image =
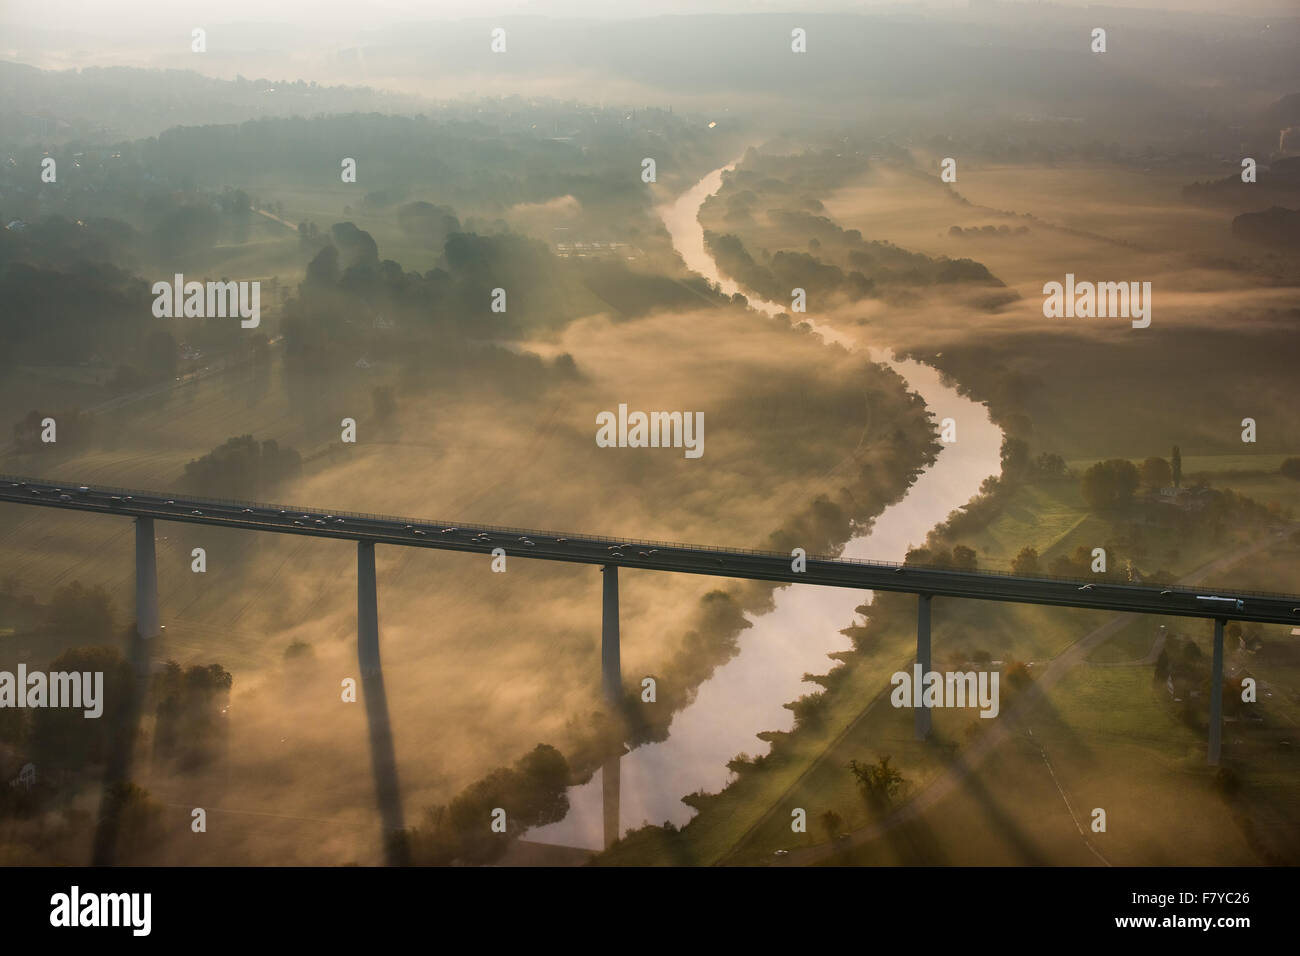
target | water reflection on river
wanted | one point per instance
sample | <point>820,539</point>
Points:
<point>746,694</point>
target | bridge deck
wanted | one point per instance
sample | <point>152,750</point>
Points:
<point>656,555</point>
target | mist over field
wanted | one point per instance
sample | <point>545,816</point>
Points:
<point>829,233</point>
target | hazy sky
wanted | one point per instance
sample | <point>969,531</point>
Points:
<point>126,15</point>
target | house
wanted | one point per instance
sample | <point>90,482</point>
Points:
<point>1185,500</point>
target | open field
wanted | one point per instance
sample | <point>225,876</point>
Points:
<point>1106,736</point>
<point>652,210</point>
<point>1220,343</point>
<point>453,634</point>
<point>1110,735</point>
<point>810,769</point>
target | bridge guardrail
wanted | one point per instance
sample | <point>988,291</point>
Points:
<point>70,487</point>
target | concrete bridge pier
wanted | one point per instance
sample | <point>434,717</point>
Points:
<point>920,711</point>
<point>383,761</point>
<point>1216,694</point>
<point>117,765</point>
<point>611,673</point>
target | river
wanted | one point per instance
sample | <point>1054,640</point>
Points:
<point>746,695</point>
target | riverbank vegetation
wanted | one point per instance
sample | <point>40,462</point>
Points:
<point>1082,470</point>
<point>382,313</point>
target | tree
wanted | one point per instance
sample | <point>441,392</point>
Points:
<point>808,710</point>
<point>1026,562</point>
<point>1015,457</point>
<point>191,703</point>
<point>131,813</point>
<point>1291,468</point>
<point>831,823</point>
<point>74,428</point>
<point>878,782</point>
<point>1109,485</point>
<point>356,246</point>
<point>63,737</point>
<point>1156,473</point>
<point>324,268</point>
<point>918,556</point>
<point>964,558</point>
<point>242,468</point>
<point>535,790</point>
<point>433,224</point>
<point>1050,466</point>
<point>1176,463</point>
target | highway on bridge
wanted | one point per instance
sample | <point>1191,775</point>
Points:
<point>654,555</point>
